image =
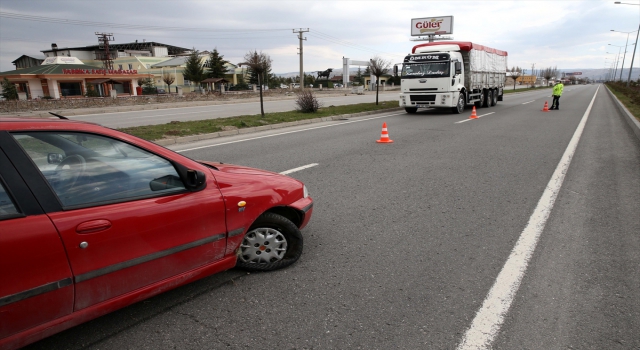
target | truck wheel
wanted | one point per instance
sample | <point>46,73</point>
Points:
<point>273,242</point>
<point>494,100</point>
<point>488,95</point>
<point>411,110</point>
<point>481,103</point>
<point>459,108</point>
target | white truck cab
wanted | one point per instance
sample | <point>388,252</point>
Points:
<point>452,75</point>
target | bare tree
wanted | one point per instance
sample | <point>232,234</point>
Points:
<point>378,67</point>
<point>516,73</point>
<point>549,73</point>
<point>258,63</point>
<point>168,79</point>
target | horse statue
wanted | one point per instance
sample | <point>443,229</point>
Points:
<point>326,73</point>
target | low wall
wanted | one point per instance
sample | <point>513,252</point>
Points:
<point>101,102</point>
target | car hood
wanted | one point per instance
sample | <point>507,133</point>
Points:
<point>239,169</point>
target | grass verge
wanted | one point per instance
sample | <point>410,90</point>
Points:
<point>629,96</point>
<point>195,127</point>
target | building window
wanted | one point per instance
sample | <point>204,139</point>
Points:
<point>120,66</point>
<point>187,82</point>
<point>71,89</point>
<point>130,66</point>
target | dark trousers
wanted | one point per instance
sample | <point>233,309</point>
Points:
<point>556,102</point>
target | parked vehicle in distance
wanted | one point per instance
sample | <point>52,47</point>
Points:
<point>93,219</point>
<point>284,86</point>
<point>452,75</point>
<point>295,85</point>
<point>338,85</point>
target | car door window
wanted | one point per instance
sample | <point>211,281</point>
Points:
<point>85,169</point>
<point>7,207</point>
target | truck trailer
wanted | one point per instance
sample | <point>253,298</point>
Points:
<point>452,75</point>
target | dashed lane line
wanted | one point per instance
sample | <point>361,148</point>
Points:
<point>287,172</point>
<point>480,116</point>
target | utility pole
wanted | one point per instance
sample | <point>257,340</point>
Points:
<point>533,75</point>
<point>103,40</point>
<point>300,31</point>
<point>634,56</point>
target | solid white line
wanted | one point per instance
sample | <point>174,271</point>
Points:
<point>288,132</point>
<point>479,116</point>
<point>286,172</point>
<point>528,102</point>
<point>488,321</point>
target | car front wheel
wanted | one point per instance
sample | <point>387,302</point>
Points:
<point>273,242</point>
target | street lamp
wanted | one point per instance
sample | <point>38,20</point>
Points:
<point>615,66</point>
<point>625,49</point>
<point>636,45</point>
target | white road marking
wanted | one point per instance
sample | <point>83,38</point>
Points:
<point>288,132</point>
<point>488,320</point>
<point>528,102</point>
<point>286,172</point>
<point>480,116</point>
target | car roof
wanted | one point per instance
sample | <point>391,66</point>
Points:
<point>18,122</point>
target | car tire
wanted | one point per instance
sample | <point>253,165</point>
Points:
<point>459,108</point>
<point>411,110</point>
<point>272,242</point>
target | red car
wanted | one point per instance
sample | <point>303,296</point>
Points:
<point>92,220</point>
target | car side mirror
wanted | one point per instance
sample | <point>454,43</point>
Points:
<point>458,67</point>
<point>194,180</point>
<point>54,158</point>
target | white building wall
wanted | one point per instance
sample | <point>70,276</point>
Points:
<point>159,51</point>
<point>35,87</point>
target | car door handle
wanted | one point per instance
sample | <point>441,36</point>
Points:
<point>93,226</point>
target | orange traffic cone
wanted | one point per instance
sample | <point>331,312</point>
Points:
<point>546,107</point>
<point>384,137</point>
<point>473,113</point>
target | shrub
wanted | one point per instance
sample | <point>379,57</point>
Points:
<point>91,91</point>
<point>306,101</point>
<point>9,91</point>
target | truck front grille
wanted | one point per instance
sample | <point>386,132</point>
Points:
<point>423,98</point>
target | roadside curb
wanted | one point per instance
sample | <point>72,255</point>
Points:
<point>200,137</point>
<point>631,120</point>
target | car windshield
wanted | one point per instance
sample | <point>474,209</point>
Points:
<point>425,70</point>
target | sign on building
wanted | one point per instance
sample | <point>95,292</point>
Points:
<point>432,26</point>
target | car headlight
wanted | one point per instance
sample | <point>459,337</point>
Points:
<point>305,192</point>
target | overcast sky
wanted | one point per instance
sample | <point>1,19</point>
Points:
<point>564,33</point>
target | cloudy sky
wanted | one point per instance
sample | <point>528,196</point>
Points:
<point>569,34</point>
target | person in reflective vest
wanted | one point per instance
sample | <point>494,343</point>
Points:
<point>557,92</point>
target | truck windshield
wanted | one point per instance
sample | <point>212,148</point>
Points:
<point>423,70</point>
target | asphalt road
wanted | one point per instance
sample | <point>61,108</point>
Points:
<point>408,239</point>
<point>231,109</point>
